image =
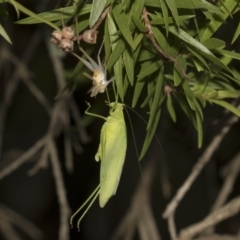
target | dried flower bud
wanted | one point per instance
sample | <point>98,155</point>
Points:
<point>66,45</point>
<point>90,36</point>
<point>67,33</point>
<point>56,36</point>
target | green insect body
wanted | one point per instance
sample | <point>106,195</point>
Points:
<point>111,152</point>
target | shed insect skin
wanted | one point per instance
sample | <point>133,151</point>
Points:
<point>99,78</point>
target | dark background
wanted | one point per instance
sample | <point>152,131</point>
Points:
<point>34,197</point>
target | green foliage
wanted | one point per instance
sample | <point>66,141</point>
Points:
<point>167,57</point>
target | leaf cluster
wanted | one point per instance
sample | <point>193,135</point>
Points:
<point>168,55</point>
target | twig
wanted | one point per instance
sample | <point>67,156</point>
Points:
<point>135,215</point>
<point>10,216</point>
<point>150,35</point>
<point>227,211</point>
<point>172,227</point>
<point>23,158</point>
<point>94,28</point>
<point>8,230</point>
<point>218,237</point>
<point>203,160</point>
<point>230,173</point>
<point>61,192</point>
<point>13,83</point>
<point>41,163</point>
<point>77,118</point>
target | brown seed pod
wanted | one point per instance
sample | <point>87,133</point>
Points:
<point>56,36</point>
<point>65,45</point>
<point>67,33</point>
<point>90,36</point>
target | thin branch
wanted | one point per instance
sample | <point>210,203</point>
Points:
<point>77,118</point>
<point>135,215</point>
<point>13,81</point>
<point>94,28</point>
<point>61,192</point>
<point>227,211</point>
<point>8,215</point>
<point>217,237</point>
<point>23,158</point>
<point>230,173</point>
<point>8,230</point>
<point>150,35</point>
<point>202,161</point>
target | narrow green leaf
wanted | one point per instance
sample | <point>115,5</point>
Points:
<point>157,20</point>
<point>186,109</point>
<point>138,41</point>
<point>226,105</point>
<point>198,108</point>
<point>4,34</point>
<point>97,9</point>
<point>198,65</point>
<point>221,94</point>
<point>232,55</point>
<point>118,78</point>
<point>138,48</point>
<point>116,53</point>
<point>126,4</point>
<point>213,43</point>
<point>149,97</point>
<point>129,64</point>
<point>199,129</point>
<point>150,134</point>
<point>125,85</point>
<point>156,99</point>
<point>165,15</point>
<point>123,24</point>
<point>170,108</point>
<point>163,43</point>
<point>187,4</point>
<point>137,92</point>
<point>151,88</point>
<point>236,34</point>
<point>139,84</point>
<point>139,25</point>
<point>118,44</point>
<point>15,7</point>
<point>173,8</point>
<point>34,15</point>
<point>199,57</point>
<point>189,94</point>
<point>145,55</point>
<point>212,27</point>
<point>57,14</point>
<point>189,40</point>
<point>177,76</point>
<point>137,7</point>
<point>148,70</point>
<point>107,41</point>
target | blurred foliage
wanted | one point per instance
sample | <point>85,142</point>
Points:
<point>193,65</point>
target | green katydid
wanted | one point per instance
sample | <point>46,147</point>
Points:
<point>113,136</point>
